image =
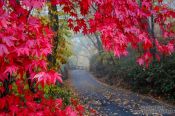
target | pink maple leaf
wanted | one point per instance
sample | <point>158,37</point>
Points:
<point>22,51</point>
<point>33,3</point>
<point>140,61</point>
<point>11,69</point>
<point>3,50</point>
<point>48,77</point>
<point>9,40</point>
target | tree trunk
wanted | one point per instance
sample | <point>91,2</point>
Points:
<point>99,44</point>
<point>152,33</point>
<point>55,27</point>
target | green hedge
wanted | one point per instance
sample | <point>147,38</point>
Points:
<point>158,80</point>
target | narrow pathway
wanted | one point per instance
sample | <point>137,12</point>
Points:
<point>118,102</point>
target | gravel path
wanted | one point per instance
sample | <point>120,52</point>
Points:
<point>115,102</point>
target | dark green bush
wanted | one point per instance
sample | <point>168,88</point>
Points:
<point>157,79</point>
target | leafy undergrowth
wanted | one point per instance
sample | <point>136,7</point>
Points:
<point>157,81</point>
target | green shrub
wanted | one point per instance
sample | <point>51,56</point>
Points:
<point>158,79</point>
<point>56,91</point>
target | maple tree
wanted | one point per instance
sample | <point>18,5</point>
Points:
<point>24,46</point>
<point>126,23</point>
<point>26,42</point>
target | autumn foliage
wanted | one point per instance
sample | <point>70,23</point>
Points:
<point>25,43</point>
<point>24,46</point>
<point>129,23</point>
